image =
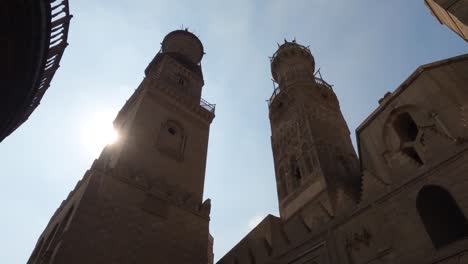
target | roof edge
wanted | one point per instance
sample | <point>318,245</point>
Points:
<point>407,83</point>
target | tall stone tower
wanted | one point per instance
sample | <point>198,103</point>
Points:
<point>317,170</point>
<point>141,201</point>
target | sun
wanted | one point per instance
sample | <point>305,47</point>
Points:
<point>98,131</point>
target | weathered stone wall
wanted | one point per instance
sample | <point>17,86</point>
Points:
<point>387,226</point>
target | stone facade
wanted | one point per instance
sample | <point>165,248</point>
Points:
<point>141,201</point>
<point>452,13</point>
<point>403,201</point>
<point>315,162</point>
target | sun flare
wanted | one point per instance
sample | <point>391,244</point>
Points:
<point>98,131</point>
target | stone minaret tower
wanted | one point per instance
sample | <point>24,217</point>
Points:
<point>317,170</point>
<point>141,201</point>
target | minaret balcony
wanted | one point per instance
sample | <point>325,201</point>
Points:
<point>208,106</point>
<point>278,89</point>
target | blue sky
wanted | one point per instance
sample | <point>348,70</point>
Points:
<point>364,48</point>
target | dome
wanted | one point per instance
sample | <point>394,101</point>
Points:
<point>184,43</point>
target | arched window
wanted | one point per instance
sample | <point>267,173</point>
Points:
<point>442,218</point>
<point>405,127</point>
<point>407,130</point>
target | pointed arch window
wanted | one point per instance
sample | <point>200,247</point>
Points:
<point>405,127</point>
<point>441,216</point>
<point>407,131</point>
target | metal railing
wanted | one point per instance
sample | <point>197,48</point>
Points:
<point>59,24</point>
<point>323,82</point>
<point>286,44</point>
<point>278,89</point>
<point>207,106</point>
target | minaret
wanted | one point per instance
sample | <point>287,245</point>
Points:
<point>141,201</point>
<point>315,162</point>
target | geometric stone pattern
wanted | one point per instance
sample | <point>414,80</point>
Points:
<point>313,154</point>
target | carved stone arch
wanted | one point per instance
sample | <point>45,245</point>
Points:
<point>171,139</point>
<point>389,135</point>
<point>402,134</point>
<point>441,215</point>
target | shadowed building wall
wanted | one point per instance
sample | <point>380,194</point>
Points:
<point>141,201</point>
<point>403,201</point>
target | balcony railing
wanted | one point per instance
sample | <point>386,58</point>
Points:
<point>277,89</point>
<point>323,82</point>
<point>289,44</point>
<point>207,106</point>
<point>59,24</point>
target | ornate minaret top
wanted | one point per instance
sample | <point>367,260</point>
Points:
<point>178,64</point>
<point>315,162</point>
<point>291,57</point>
